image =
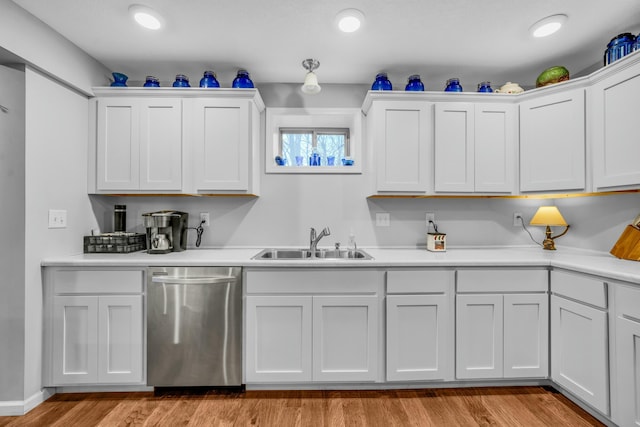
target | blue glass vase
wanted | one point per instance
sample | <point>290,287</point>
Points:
<point>414,84</point>
<point>453,85</point>
<point>181,81</point>
<point>209,80</point>
<point>242,80</point>
<point>151,82</point>
<point>119,80</point>
<point>381,82</point>
<point>618,47</point>
<point>485,87</point>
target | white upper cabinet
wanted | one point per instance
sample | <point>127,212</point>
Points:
<point>475,146</point>
<point>552,142</point>
<point>613,102</point>
<point>139,144</point>
<point>400,132</point>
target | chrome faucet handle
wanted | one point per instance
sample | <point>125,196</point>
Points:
<point>326,231</point>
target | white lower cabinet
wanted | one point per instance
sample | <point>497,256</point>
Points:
<point>312,325</point>
<point>419,323</point>
<point>579,338</point>
<point>502,324</point>
<point>627,356</point>
<point>93,327</point>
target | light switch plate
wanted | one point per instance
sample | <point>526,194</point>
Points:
<point>57,218</point>
<point>383,219</point>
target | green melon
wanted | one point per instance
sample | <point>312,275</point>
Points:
<point>552,75</point>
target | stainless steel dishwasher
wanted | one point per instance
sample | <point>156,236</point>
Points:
<point>194,326</point>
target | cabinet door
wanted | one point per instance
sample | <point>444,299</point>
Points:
<point>526,335</point>
<point>278,339</point>
<point>454,147</point>
<point>75,332</point>
<point>552,142</point>
<point>161,144</point>
<point>628,371</point>
<point>579,351</point>
<point>400,131</point>
<point>417,331</point>
<point>496,140</point>
<point>221,132</point>
<point>479,336</point>
<point>118,148</point>
<point>345,338</point>
<point>614,103</point>
<point>120,339</point>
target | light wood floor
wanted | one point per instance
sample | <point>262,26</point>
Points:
<point>508,406</point>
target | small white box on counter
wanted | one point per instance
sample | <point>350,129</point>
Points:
<point>436,242</point>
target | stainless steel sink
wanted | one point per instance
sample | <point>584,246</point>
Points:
<point>291,254</point>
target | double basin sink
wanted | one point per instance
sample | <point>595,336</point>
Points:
<point>306,254</point>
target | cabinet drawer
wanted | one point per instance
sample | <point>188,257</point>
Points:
<point>514,280</point>
<point>579,287</point>
<point>419,281</point>
<point>304,281</point>
<point>97,282</point>
<point>627,301</point>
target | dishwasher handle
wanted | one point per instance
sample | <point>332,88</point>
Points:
<point>193,280</point>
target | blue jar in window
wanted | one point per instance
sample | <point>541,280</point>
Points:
<point>242,80</point>
<point>453,85</point>
<point>209,80</point>
<point>485,87</point>
<point>414,84</point>
<point>181,81</point>
<point>314,159</point>
<point>381,82</point>
<point>151,82</point>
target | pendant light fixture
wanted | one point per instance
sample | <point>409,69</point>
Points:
<point>310,85</point>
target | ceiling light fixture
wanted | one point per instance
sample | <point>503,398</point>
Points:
<point>349,20</point>
<point>547,26</point>
<point>146,17</point>
<point>310,85</point>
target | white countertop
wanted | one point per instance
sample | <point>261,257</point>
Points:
<point>591,262</point>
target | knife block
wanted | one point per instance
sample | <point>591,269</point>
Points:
<point>628,244</point>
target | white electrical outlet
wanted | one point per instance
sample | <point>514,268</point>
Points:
<point>517,219</point>
<point>204,216</point>
<point>430,217</point>
<point>383,219</point>
<point>57,218</point>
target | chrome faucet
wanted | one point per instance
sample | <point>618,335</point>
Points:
<point>313,239</point>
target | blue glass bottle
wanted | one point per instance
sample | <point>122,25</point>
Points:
<point>414,84</point>
<point>485,87</point>
<point>381,82</point>
<point>453,85</point>
<point>119,80</point>
<point>151,82</point>
<point>181,81</point>
<point>209,80</point>
<point>242,80</point>
<point>618,47</point>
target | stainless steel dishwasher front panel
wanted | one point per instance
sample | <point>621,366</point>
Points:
<point>194,326</point>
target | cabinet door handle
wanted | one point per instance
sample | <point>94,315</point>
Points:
<point>193,280</point>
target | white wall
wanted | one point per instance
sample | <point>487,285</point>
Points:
<point>12,219</point>
<point>56,169</point>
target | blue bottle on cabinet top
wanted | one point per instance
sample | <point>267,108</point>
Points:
<point>485,87</point>
<point>151,82</point>
<point>453,85</point>
<point>181,81</point>
<point>242,80</point>
<point>619,46</point>
<point>209,80</point>
<point>119,80</point>
<point>414,83</point>
<point>381,82</point>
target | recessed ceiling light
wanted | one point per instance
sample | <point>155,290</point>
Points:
<point>146,17</point>
<point>547,26</point>
<point>349,20</point>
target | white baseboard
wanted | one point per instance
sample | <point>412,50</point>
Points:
<point>10,408</point>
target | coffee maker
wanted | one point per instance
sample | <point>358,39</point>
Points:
<point>166,231</point>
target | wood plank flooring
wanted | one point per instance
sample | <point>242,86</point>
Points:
<point>504,406</point>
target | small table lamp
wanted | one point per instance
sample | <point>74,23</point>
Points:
<point>548,216</point>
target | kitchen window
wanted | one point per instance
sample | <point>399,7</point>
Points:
<point>313,140</point>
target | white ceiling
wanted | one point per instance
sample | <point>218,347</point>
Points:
<point>470,39</point>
